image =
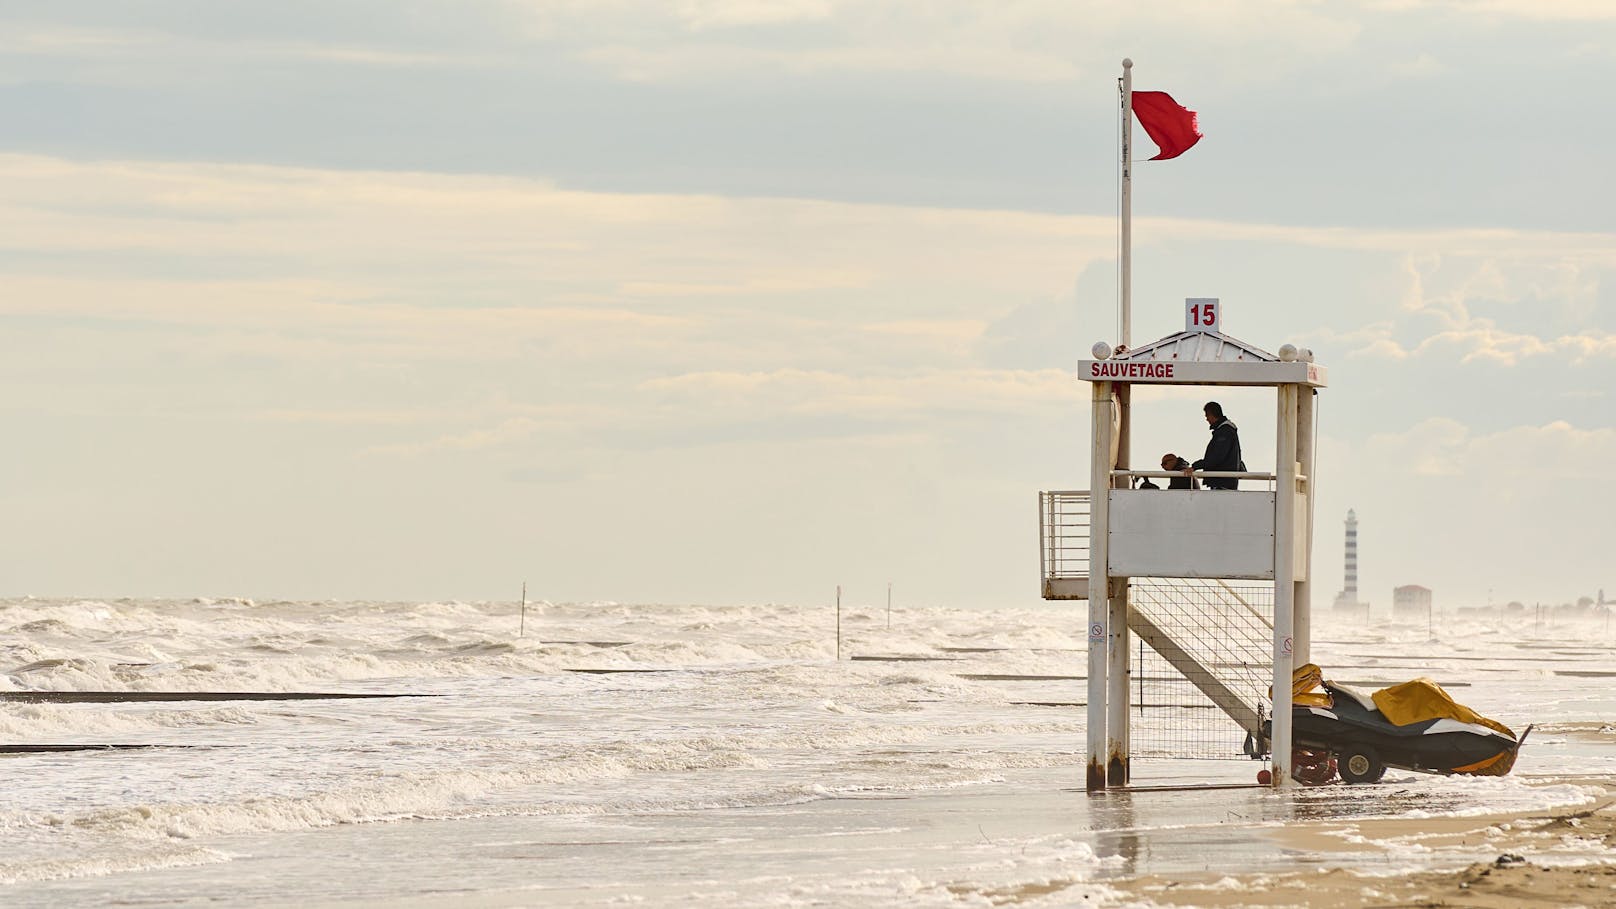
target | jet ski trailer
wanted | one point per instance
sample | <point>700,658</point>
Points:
<point>1412,726</point>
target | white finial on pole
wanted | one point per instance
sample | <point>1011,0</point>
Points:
<point>1125,280</point>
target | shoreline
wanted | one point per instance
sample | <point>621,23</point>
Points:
<point>1523,869</point>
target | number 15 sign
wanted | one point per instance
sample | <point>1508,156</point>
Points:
<point>1203,314</point>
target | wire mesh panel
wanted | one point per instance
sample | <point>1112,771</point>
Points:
<point>1202,666</point>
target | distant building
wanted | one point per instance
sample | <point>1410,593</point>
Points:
<point>1347,599</point>
<point>1411,602</point>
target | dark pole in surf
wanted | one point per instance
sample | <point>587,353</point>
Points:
<point>838,623</point>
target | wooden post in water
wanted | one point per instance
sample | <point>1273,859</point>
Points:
<point>889,605</point>
<point>838,623</point>
<point>522,628</point>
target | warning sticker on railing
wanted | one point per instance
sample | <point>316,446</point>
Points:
<point>1096,632</point>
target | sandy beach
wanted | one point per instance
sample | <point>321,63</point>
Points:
<point>1508,880</point>
<point>1366,864</point>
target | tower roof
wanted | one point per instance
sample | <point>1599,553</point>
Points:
<point>1200,347</point>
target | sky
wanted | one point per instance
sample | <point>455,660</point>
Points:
<point>735,301</point>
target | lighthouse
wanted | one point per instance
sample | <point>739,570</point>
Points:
<point>1347,599</point>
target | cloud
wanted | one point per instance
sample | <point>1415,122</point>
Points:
<point>1036,42</point>
<point>1485,342</point>
<point>1547,10</point>
<point>452,263</point>
<point>1033,41</point>
<point>716,409</point>
<point>1384,348</point>
<point>709,61</point>
<point>1446,291</point>
<point>111,56</point>
<point>349,417</point>
<point>643,310</point>
<point>662,316</point>
<point>517,319</point>
<point>1513,469</point>
<point>1421,66</point>
<point>900,397</point>
<point>1433,448</point>
<point>701,15</point>
<point>954,335</point>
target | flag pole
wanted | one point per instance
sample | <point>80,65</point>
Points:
<point>1125,280</point>
<point>1116,656</point>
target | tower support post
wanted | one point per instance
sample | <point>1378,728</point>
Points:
<point>1285,557</point>
<point>1117,661</point>
<point>1100,461</point>
<point>1305,398</point>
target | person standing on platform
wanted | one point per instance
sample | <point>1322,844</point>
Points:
<point>1223,451</point>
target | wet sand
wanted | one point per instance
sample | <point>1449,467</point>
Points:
<point>1380,857</point>
<point>1480,886</point>
<point>1510,879</point>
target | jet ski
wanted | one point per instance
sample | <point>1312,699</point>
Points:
<point>1412,726</point>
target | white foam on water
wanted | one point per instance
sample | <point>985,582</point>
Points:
<point>743,709</point>
<point>107,863</point>
<point>74,722</point>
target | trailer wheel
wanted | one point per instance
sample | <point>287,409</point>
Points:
<point>1312,766</point>
<point>1360,764</point>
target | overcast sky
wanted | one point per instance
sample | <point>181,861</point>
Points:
<point>736,300</point>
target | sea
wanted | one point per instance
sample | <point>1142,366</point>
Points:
<point>172,753</point>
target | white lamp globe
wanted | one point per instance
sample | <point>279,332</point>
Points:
<point>1287,352</point>
<point>1101,350</point>
<point>1307,355</point>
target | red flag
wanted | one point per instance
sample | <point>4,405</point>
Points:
<point>1173,128</point>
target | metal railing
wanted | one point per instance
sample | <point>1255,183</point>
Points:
<point>1261,482</point>
<point>1063,530</point>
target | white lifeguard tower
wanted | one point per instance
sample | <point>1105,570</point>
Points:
<point>1262,531</point>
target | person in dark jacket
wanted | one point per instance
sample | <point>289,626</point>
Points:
<point>1223,451</point>
<point>1177,464</point>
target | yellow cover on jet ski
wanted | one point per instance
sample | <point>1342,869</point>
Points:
<point>1305,684</point>
<point>1423,699</point>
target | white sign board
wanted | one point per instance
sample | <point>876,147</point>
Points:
<point>1192,533</point>
<point>1189,372</point>
<point>1203,314</point>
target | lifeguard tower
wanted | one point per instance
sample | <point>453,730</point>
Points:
<point>1097,542</point>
